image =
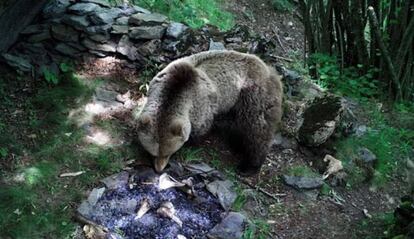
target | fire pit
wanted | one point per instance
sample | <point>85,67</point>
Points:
<point>184,202</point>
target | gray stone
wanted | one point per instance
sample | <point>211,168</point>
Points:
<point>231,227</point>
<point>223,190</point>
<point>64,33</point>
<point>299,182</point>
<point>66,49</point>
<point>98,54</point>
<point>154,32</point>
<point>216,46</point>
<point>103,3</point>
<point>91,45</point>
<point>98,29</point>
<point>175,30</point>
<point>141,10</point>
<point>101,38</point>
<point>366,156</point>
<point>127,48</point>
<point>199,168</point>
<point>41,36</point>
<point>37,28</point>
<point>105,95</point>
<point>18,62</point>
<point>106,16</point>
<point>147,19</point>
<point>119,29</point>
<point>55,9</point>
<point>95,195</point>
<point>77,46</point>
<point>320,119</point>
<point>361,130</point>
<point>85,209</point>
<point>78,22</point>
<point>122,21</point>
<point>117,180</point>
<point>83,8</point>
<point>150,48</point>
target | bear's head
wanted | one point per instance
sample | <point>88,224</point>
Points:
<point>163,139</point>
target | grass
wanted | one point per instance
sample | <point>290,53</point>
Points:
<point>194,13</point>
<point>302,171</point>
<point>257,229</point>
<point>34,201</point>
<point>388,141</point>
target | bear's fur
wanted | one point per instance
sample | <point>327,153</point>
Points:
<point>193,92</point>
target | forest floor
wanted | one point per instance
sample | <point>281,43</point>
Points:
<point>80,126</point>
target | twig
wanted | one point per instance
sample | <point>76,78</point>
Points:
<point>274,196</point>
<point>84,220</point>
<point>74,174</point>
<point>281,58</point>
<point>278,40</point>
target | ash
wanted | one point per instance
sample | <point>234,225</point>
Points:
<point>116,210</point>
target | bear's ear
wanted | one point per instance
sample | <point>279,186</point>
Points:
<point>145,120</point>
<point>177,128</point>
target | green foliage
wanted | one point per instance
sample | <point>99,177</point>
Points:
<point>282,5</point>
<point>49,75</point>
<point>389,143</point>
<point>195,13</point>
<point>257,229</point>
<point>303,171</point>
<point>383,221</point>
<point>350,82</point>
<point>240,200</point>
<point>190,154</point>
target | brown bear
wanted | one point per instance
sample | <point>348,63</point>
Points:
<point>192,93</point>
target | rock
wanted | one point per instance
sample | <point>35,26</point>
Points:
<point>122,21</point>
<point>223,191</point>
<point>106,95</point>
<point>34,29</point>
<point>150,48</point>
<point>103,3</point>
<point>299,182</point>
<point>117,180</point>
<point>142,19</point>
<point>175,30</point>
<point>78,22</point>
<point>85,209</point>
<point>65,33</point>
<point>101,38</point>
<point>98,53</point>
<point>231,227</point>
<point>66,49</point>
<point>127,48</point>
<point>366,156</point>
<point>119,29</point>
<point>104,29</point>
<point>106,16</point>
<point>361,130</point>
<point>95,195</point>
<point>18,62</point>
<point>83,8</point>
<point>55,8</point>
<point>320,119</point>
<point>284,142</point>
<point>216,46</point>
<point>41,36</point>
<point>141,10</point>
<point>154,32</point>
<point>107,47</point>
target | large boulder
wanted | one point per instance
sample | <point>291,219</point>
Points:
<point>147,33</point>
<point>320,119</point>
<point>83,8</point>
<point>64,33</point>
<point>147,19</point>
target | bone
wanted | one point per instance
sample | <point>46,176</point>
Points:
<point>145,207</point>
<point>334,166</point>
<point>167,210</point>
<point>166,181</point>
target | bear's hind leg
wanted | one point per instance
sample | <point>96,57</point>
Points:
<point>255,130</point>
